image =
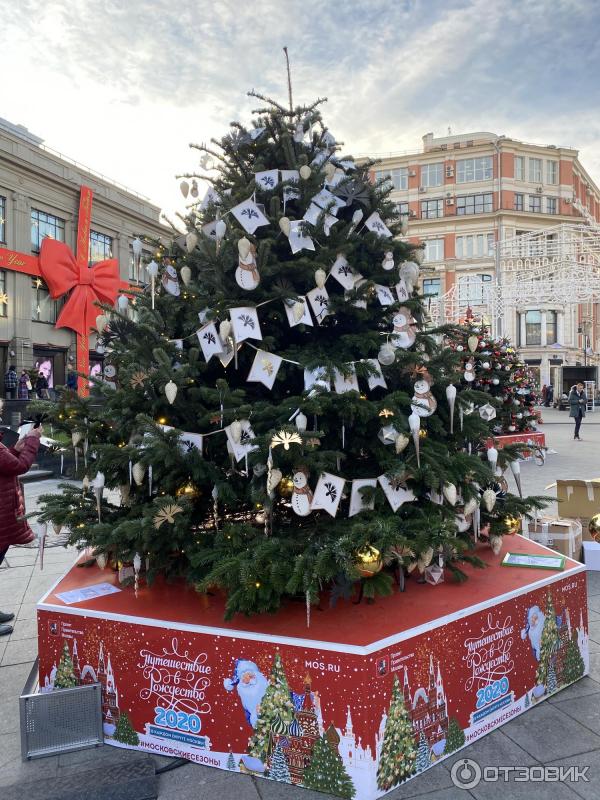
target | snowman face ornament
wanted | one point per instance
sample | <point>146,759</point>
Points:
<point>302,495</point>
<point>423,402</point>
<point>388,261</point>
<point>170,281</point>
<point>246,274</point>
<point>470,370</point>
<point>404,333</point>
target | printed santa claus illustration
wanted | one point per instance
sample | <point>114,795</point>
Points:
<point>534,626</point>
<point>251,685</point>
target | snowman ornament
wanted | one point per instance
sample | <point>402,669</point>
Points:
<point>170,280</point>
<point>302,495</point>
<point>404,334</point>
<point>246,274</point>
<point>423,402</point>
<point>388,261</point>
<point>470,370</point>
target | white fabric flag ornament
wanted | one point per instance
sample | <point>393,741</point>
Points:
<point>187,441</point>
<point>244,321</point>
<point>226,357</point>
<point>211,196</point>
<point>328,493</point>
<point>361,302</point>
<point>298,239</point>
<point>319,301</point>
<point>376,225</point>
<point>265,368</point>
<point>267,179</point>
<point>376,379</point>
<point>348,383</point>
<point>241,449</point>
<point>210,229</point>
<point>357,502</point>
<point>312,216</point>
<point>384,295</point>
<point>305,319</point>
<point>395,492</point>
<point>290,192</point>
<point>342,272</point>
<point>316,378</point>
<point>325,199</point>
<point>249,215</point>
<point>401,290</point>
<point>210,341</point>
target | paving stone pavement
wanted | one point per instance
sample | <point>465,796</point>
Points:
<point>563,731</point>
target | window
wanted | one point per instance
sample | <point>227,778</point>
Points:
<point>473,289</point>
<point>43,307</point>
<point>3,297</point>
<point>474,169</point>
<point>398,178</point>
<point>519,202</point>
<point>100,247</point>
<point>519,168</point>
<point>478,245</point>
<point>551,205</point>
<point>431,209</point>
<point>533,328</point>
<point>434,250</point>
<point>551,327</point>
<point>432,286</point>
<point>3,219</point>
<point>535,203</point>
<point>42,225</point>
<point>535,170</point>
<point>401,209</point>
<point>474,204</point>
<point>432,174</point>
<point>552,172</point>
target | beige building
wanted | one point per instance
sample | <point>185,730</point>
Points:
<point>463,193</point>
<point>39,196</point>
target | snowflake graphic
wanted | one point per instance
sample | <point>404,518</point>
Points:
<point>250,213</point>
<point>331,492</point>
<point>210,337</point>
<point>267,180</point>
<point>378,226</point>
<point>247,320</point>
<point>344,269</point>
<point>246,437</point>
<point>321,299</point>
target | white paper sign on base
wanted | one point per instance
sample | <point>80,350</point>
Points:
<point>328,493</point>
<point>357,502</point>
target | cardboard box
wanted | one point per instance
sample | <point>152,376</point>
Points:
<point>579,500</point>
<point>562,535</point>
<point>591,555</point>
<point>365,698</point>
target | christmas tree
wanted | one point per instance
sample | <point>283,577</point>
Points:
<point>423,755</point>
<point>527,702</point>
<point>279,770</point>
<point>125,731</point>
<point>276,702</point>
<point>398,753</point>
<point>551,678</point>
<point>455,737</point>
<point>326,772</point>
<point>231,762</point>
<point>548,645</point>
<point>573,666</point>
<point>287,384</point>
<point>65,673</point>
<point>495,367</point>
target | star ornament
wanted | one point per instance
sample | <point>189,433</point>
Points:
<point>166,514</point>
<point>138,378</point>
<point>286,438</point>
<point>3,299</point>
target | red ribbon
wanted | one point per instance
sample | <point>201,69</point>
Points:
<point>61,272</point>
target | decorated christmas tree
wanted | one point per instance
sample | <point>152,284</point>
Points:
<point>495,367</point>
<point>573,666</point>
<point>398,753</point>
<point>552,686</point>
<point>455,737</point>
<point>423,755</point>
<point>527,702</point>
<point>279,770</point>
<point>326,772</point>
<point>275,704</point>
<point>548,645</point>
<point>125,731</point>
<point>274,378</point>
<point>231,762</point>
<point>65,673</point>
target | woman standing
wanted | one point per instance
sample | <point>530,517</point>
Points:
<point>24,385</point>
<point>577,402</point>
<point>14,461</point>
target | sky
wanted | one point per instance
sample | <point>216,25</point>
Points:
<point>124,86</point>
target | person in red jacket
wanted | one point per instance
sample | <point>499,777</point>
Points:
<point>14,461</point>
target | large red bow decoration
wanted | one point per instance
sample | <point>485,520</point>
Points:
<point>62,272</point>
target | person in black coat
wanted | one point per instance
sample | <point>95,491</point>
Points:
<point>577,403</point>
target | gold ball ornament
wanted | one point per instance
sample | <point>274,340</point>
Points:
<point>285,487</point>
<point>368,561</point>
<point>188,490</point>
<point>594,527</point>
<point>422,433</point>
<point>512,525</point>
